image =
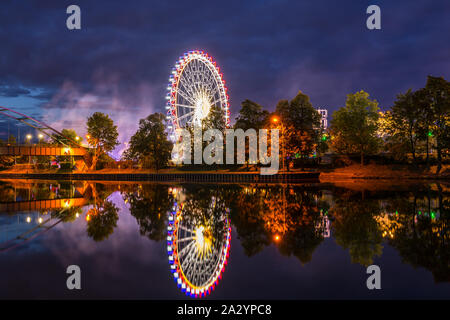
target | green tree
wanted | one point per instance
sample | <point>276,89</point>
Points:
<point>301,123</point>
<point>404,122</point>
<point>354,127</point>
<point>102,135</point>
<point>251,116</point>
<point>438,96</point>
<point>149,145</point>
<point>69,137</point>
<point>215,119</point>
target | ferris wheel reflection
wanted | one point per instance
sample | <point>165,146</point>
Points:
<point>198,244</point>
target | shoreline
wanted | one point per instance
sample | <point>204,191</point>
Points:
<point>172,177</point>
<point>350,173</point>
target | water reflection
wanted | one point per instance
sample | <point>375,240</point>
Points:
<point>198,241</point>
<point>193,222</point>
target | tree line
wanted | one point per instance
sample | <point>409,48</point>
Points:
<point>417,124</point>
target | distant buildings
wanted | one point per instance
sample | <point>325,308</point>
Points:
<point>324,120</point>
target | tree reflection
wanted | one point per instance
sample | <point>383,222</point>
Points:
<point>419,228</point>
<point>102,217</point>
<point>285,215</point>
<point>149,204</point>
<point>355,227</point>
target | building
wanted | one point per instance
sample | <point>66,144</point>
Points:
<point>324,120</point>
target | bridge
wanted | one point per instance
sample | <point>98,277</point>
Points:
<point>35,205</point>
<point>41,151</point>
<point>69,146</point>
<point>23,197</point>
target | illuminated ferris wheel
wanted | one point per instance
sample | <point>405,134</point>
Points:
<point>195,85</point>
<point>198,248</point>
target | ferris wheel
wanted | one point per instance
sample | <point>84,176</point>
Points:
<point>195,86</point>
<point>198,249</point>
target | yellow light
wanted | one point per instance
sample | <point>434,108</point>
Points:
<point>77,138</point>
<point>40,136</point>
<point>277,237</point>
<point>88,217</point>
<point>275,119</point>
<point>203,239</point>
<point>77,215</point>
<point>40,220</point>
<point>29,136</point>
<point>28,219</point>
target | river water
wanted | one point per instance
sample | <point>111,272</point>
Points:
<point>205,241</point>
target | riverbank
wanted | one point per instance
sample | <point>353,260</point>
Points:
<point>384,172</point>
<point>354,172</point>
<point>201,177</point>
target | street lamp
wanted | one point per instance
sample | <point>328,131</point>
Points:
<point>276,120</point>
<point>28,137</point>
<point>40,136</point>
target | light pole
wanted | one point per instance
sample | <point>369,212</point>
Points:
<point>40,136</point>
<point>28,137</point>
<point>277,120</point>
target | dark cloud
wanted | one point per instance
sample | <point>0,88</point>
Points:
<point>268,50</point>
<point>12,91</point>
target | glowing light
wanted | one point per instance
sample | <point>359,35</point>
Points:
<point>40,220</point>
<point>28,219</point>
<point>88,217</point>
<point>277,237</point>
<point>29,136</point>
<point>192,103</point>
<point>204,245</point>
<point>40,135</point>
<point>77,138</point>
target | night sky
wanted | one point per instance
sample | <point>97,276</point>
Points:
<point>120,61</point>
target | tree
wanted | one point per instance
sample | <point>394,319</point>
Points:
<point>69,136</point>
<point>251,116</point>
<point>438,97</point>
<point>404,122</point>
<point>215,119</point>
<point>301,123</point>
<point>102,135</point>
<point>149,145</point>
<point>354,127</point>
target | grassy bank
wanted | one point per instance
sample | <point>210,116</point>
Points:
<point>375,171</point>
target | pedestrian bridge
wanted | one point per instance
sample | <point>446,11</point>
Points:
<point>41,151</point>
<point>34,205</point>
